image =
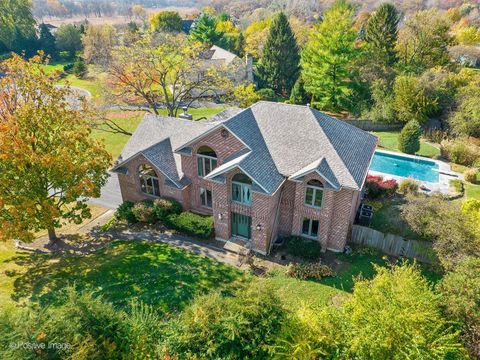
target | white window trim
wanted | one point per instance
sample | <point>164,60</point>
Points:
<point>204,158</point>
<point>242,185</point>
<point>315,189</point>
<point>206,201</point>
<point>309,236</point>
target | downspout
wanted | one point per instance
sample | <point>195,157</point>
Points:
<point>275,222</point>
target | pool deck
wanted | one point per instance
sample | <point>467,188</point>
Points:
<point>445,174</point>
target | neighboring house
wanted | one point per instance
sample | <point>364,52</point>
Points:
<point>240,71</point>
<point>270,170</point>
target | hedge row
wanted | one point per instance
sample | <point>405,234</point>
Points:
<point>169,212</point>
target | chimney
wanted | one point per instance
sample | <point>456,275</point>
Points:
<point>249,67</point>
<point>185,114</point>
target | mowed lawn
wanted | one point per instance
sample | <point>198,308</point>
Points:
<point>389,141</point>
<point>161,275</point>
<point>154,273</point>
<point>129,120</point>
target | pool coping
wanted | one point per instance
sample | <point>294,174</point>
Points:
<point>445,173</point>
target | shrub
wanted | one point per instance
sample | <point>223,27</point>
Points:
<point>409,138</point>
<point>470,175</point>
<point>408,186</point>
<point>454,233</point>
<point>79,68</point>
<point>68,68</point>
<point>124,212</point>
<point>434,135</point>
<point>165,207</point>
<point>191,224</point>
<point>89,327</point>
<point>309,271</point>
<point>457,185</point>
<point>267,94</point>
<point>396,315</point>
<point>461,291</point>
<point>304,248</point>
<point>363,250</point>
<point>242,326</point>
<point>144,212</point>
<point>460,151</point>
<point>377,187</point>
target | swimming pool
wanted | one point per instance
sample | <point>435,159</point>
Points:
<point>398,165</point>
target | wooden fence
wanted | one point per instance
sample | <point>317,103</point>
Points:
<point>369,125</point>
<point>392,244</point>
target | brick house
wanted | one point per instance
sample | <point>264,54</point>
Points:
<point>267,171</point>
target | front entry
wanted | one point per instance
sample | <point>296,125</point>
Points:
<point>241,226</point>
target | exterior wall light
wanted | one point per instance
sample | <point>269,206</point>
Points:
<point>220,216</point>
<point>259,227</point>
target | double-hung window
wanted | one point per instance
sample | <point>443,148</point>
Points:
<point>206,161</point>
<point>242,189</point>
<point>310,227</point>
<point>314,194</point>
<point>206,197</point>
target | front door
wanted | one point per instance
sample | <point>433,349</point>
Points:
<point>241,226</point>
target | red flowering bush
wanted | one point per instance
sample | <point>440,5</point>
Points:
<point>377,187</point>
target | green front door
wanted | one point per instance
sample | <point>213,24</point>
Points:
<point>241,226</point>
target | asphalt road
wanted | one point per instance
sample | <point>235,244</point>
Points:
<point>110,194</point>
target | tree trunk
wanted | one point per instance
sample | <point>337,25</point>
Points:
<point>52,236</point>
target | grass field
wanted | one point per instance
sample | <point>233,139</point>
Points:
<point>389,141</point>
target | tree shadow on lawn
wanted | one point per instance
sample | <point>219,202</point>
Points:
<point>153,273</point>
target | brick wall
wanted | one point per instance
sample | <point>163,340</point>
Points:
<point>335,215</point>
<point>262,212</point>
<point>130,184</point>
<point>224,146</point>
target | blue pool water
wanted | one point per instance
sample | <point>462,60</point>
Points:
<point>399,165</point>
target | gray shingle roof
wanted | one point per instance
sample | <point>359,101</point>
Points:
<point>156,137</point>
<point>286,140</point>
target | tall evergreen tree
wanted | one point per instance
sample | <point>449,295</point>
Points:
<point>381,32</point>
<point>298,95</point>
<point>204,30</point>
<point>280,64</point>
<point>46,40</point>
<point>327,58</point>
<point>16,23</point>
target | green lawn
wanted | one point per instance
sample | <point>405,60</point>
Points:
<point>161,275</point>
<point>89,84</point>
<point>115,142</point>
<point>154,273</point>
<point>389,141</point>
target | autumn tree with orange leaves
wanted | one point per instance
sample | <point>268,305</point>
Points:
<point>49,163</point>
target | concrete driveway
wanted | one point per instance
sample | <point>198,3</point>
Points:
<point>110,195</point>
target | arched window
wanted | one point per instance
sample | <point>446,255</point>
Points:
<point>206,160</point>
<point>148,180</point>
<point>314,194</point>
<point>242,189</point>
